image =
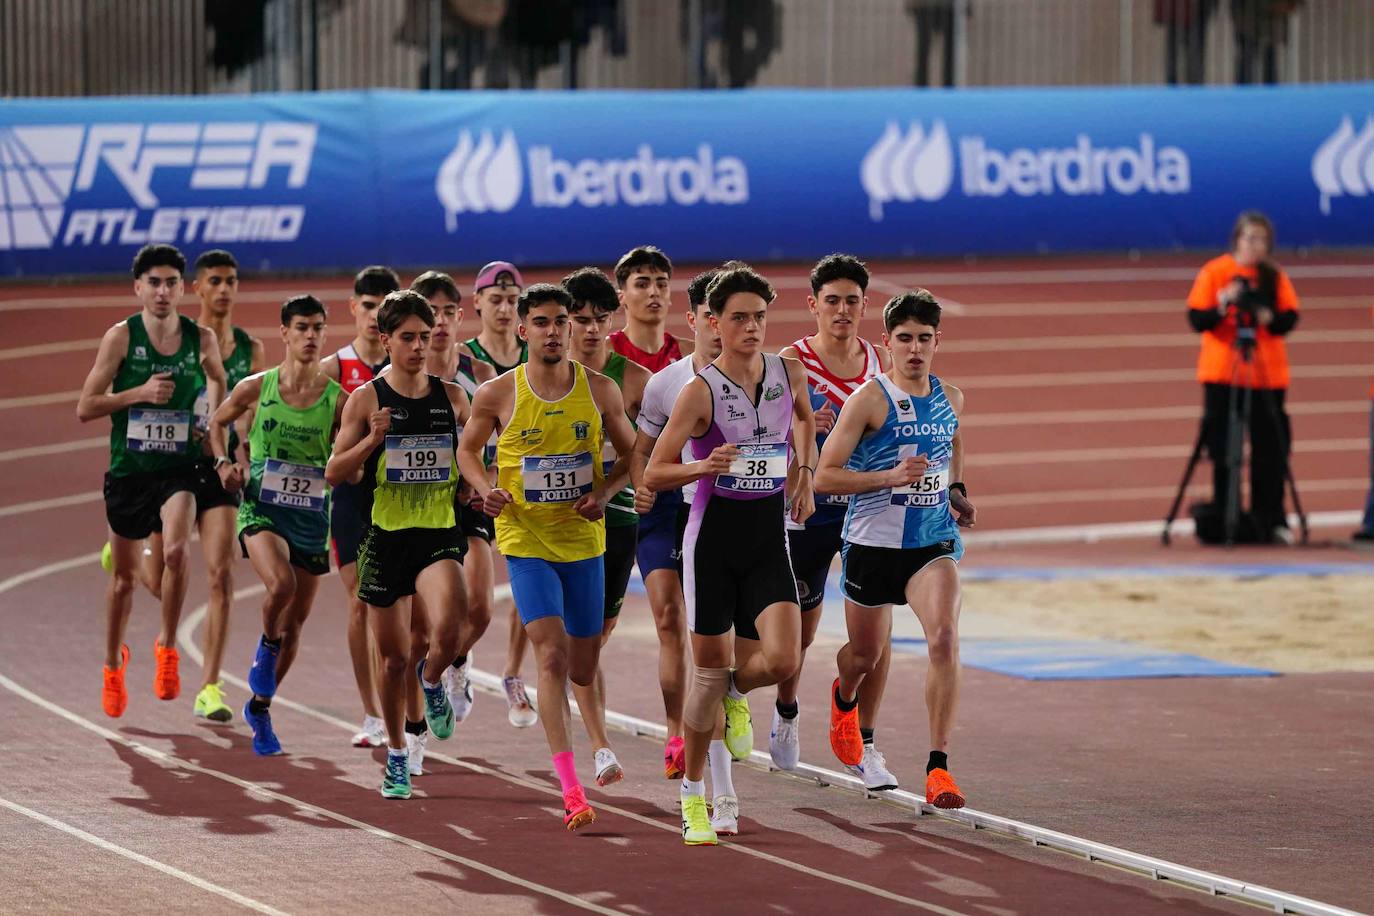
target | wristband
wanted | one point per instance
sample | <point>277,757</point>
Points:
<point>807,467</point>
<point>222,461</point>
<point>960,487</point>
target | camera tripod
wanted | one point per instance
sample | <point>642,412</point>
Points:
<point>1240,404</point>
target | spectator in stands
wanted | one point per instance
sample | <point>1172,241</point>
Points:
<point>1244,306</point>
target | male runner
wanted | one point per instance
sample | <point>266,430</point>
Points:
<point>644,275</point>
<point>744,413</point>
<point>664,516</point>
<point>399,431</point>
<point>283,521</point>
<point>352,367</point>
<point>550,497</point>
<point>896,447</point>
<point>495,294</point>
<point>216,284</point>
<point>146,375</point>
<point>445,361</point>
<point>837,361</point>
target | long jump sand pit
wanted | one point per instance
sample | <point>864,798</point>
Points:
<point>1289,623</point>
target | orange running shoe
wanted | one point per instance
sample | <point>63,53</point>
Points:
<point>674,758</point>
<point>845,739</point>
<point>576,811</point>
<point>941,790</point>
<point>166,682</point>
<point>113,697</point>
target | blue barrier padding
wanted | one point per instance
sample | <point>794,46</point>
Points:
<point>1070,659</point>
<point>443,178</point>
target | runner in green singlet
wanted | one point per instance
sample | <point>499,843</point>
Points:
<point>146,376</point>
<point>283,521</point>
<point>397,436</point>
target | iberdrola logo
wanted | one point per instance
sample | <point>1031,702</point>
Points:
<point>907,166</point>
<point>479,176</point>
<point>1344,163</point>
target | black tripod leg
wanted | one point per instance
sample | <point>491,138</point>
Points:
<point>1183,485</point>
<point>1238,416</point>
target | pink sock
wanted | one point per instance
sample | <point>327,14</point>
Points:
<point>567,773</point>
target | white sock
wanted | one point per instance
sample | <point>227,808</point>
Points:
<point>718,761</point>
<point>689,787</point>
<point>397,752</point>
<point>732,691</point>
<point>428,685</point>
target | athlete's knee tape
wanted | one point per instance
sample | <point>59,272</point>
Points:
<point>704,698</point>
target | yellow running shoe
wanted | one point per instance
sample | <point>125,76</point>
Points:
<point>107,558</point>
<point>696,823</point>
<point>210,704</point>
<point>739,728</point>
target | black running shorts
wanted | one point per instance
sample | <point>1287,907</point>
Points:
<point>389,562</point>
<point>133,503</point>
<point>874,576</point>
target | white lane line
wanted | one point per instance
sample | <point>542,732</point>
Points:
<point>1122,310</point>
<point>47,569</point>
<point>57,448</point>
<point>1132,494</point>
<point>976,276</point>
<point>40,400</point>
<point>1141,414</point>
<point>185,639</point>
<point>1133,377</point>
<point>1118,531</point>
<point>1141,453</point>
<point>1130,342</point>
<point>42,505</point>
<point>240,899</point>
<point>162,757</point>
<point>46,349</point>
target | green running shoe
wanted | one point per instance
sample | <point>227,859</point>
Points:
<point>210,704</point>
<point>739,728</point>
<point>107,557</point>
<point>696,823</point>
<point>438,710</point>
<point>396,777</point>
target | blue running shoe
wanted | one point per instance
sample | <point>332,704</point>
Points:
<point>396,776</point>
<point>265,743</point>
<point>438,710</point>
<point>262,677</point>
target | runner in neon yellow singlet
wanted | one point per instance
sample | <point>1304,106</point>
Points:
<point>283,521</point>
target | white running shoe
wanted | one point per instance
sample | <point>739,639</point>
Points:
<point>415,748</point>
<point>459,688</point>
<point>607,767</point>
<point>784,741</point>
<point>725,815</point>
<point>873,771</point>
<point>522,714</point>
<point>372,734</point>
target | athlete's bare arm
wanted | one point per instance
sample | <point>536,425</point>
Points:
<point>462,407</point>
<point>259,358</point>
<point>330,366</point>
<point>491,409</point>
<point>644,494</point>
<point>803,486</point>
<point>213,367</point>
<point>863,413</point>
<point>635,378</point>
<point>239,402</point>
<point>482,371</point>
<point>616,426</point>
<point>96,401</point>
<point>691,416</point>
<point>361,430</point>
<point>964,513</point>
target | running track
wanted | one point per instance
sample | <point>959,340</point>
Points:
<point>1081,412</point>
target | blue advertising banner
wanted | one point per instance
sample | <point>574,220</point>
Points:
<point>337,180</point>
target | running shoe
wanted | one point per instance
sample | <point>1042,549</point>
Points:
<point>784,741</point>
<point>845,738</point>
<point>438,710</point>
<point>522,714</point>
<point>725,815</point>
<point>674,758</point>
<point>262,677</point>
<point>576,812</point>
<point>941,790</point>
<point>114,699</point>
<point>459,688</point>
<point>873,771</point>
<point>372,734</point>
<point>107,558</point>
<point>210,703</point>
<point>396,776</point>
<point>415,752</point>
<point>265,743</point>
<point>607,767</point>
<point>739,728</point>
<point>166,680</point>
<point>696,823</point>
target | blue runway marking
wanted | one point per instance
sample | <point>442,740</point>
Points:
<point>1082,659</point>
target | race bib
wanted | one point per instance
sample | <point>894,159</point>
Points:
<point>832,499</point>
<point>608,457</point>
<point>153,430</point>
<point>296,486</point>
<point>931,490</point>
<point>419,459</point>
<point>756,469</point>
<point>557,478</point>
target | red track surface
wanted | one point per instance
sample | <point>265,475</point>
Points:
<point>1261,780</point>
